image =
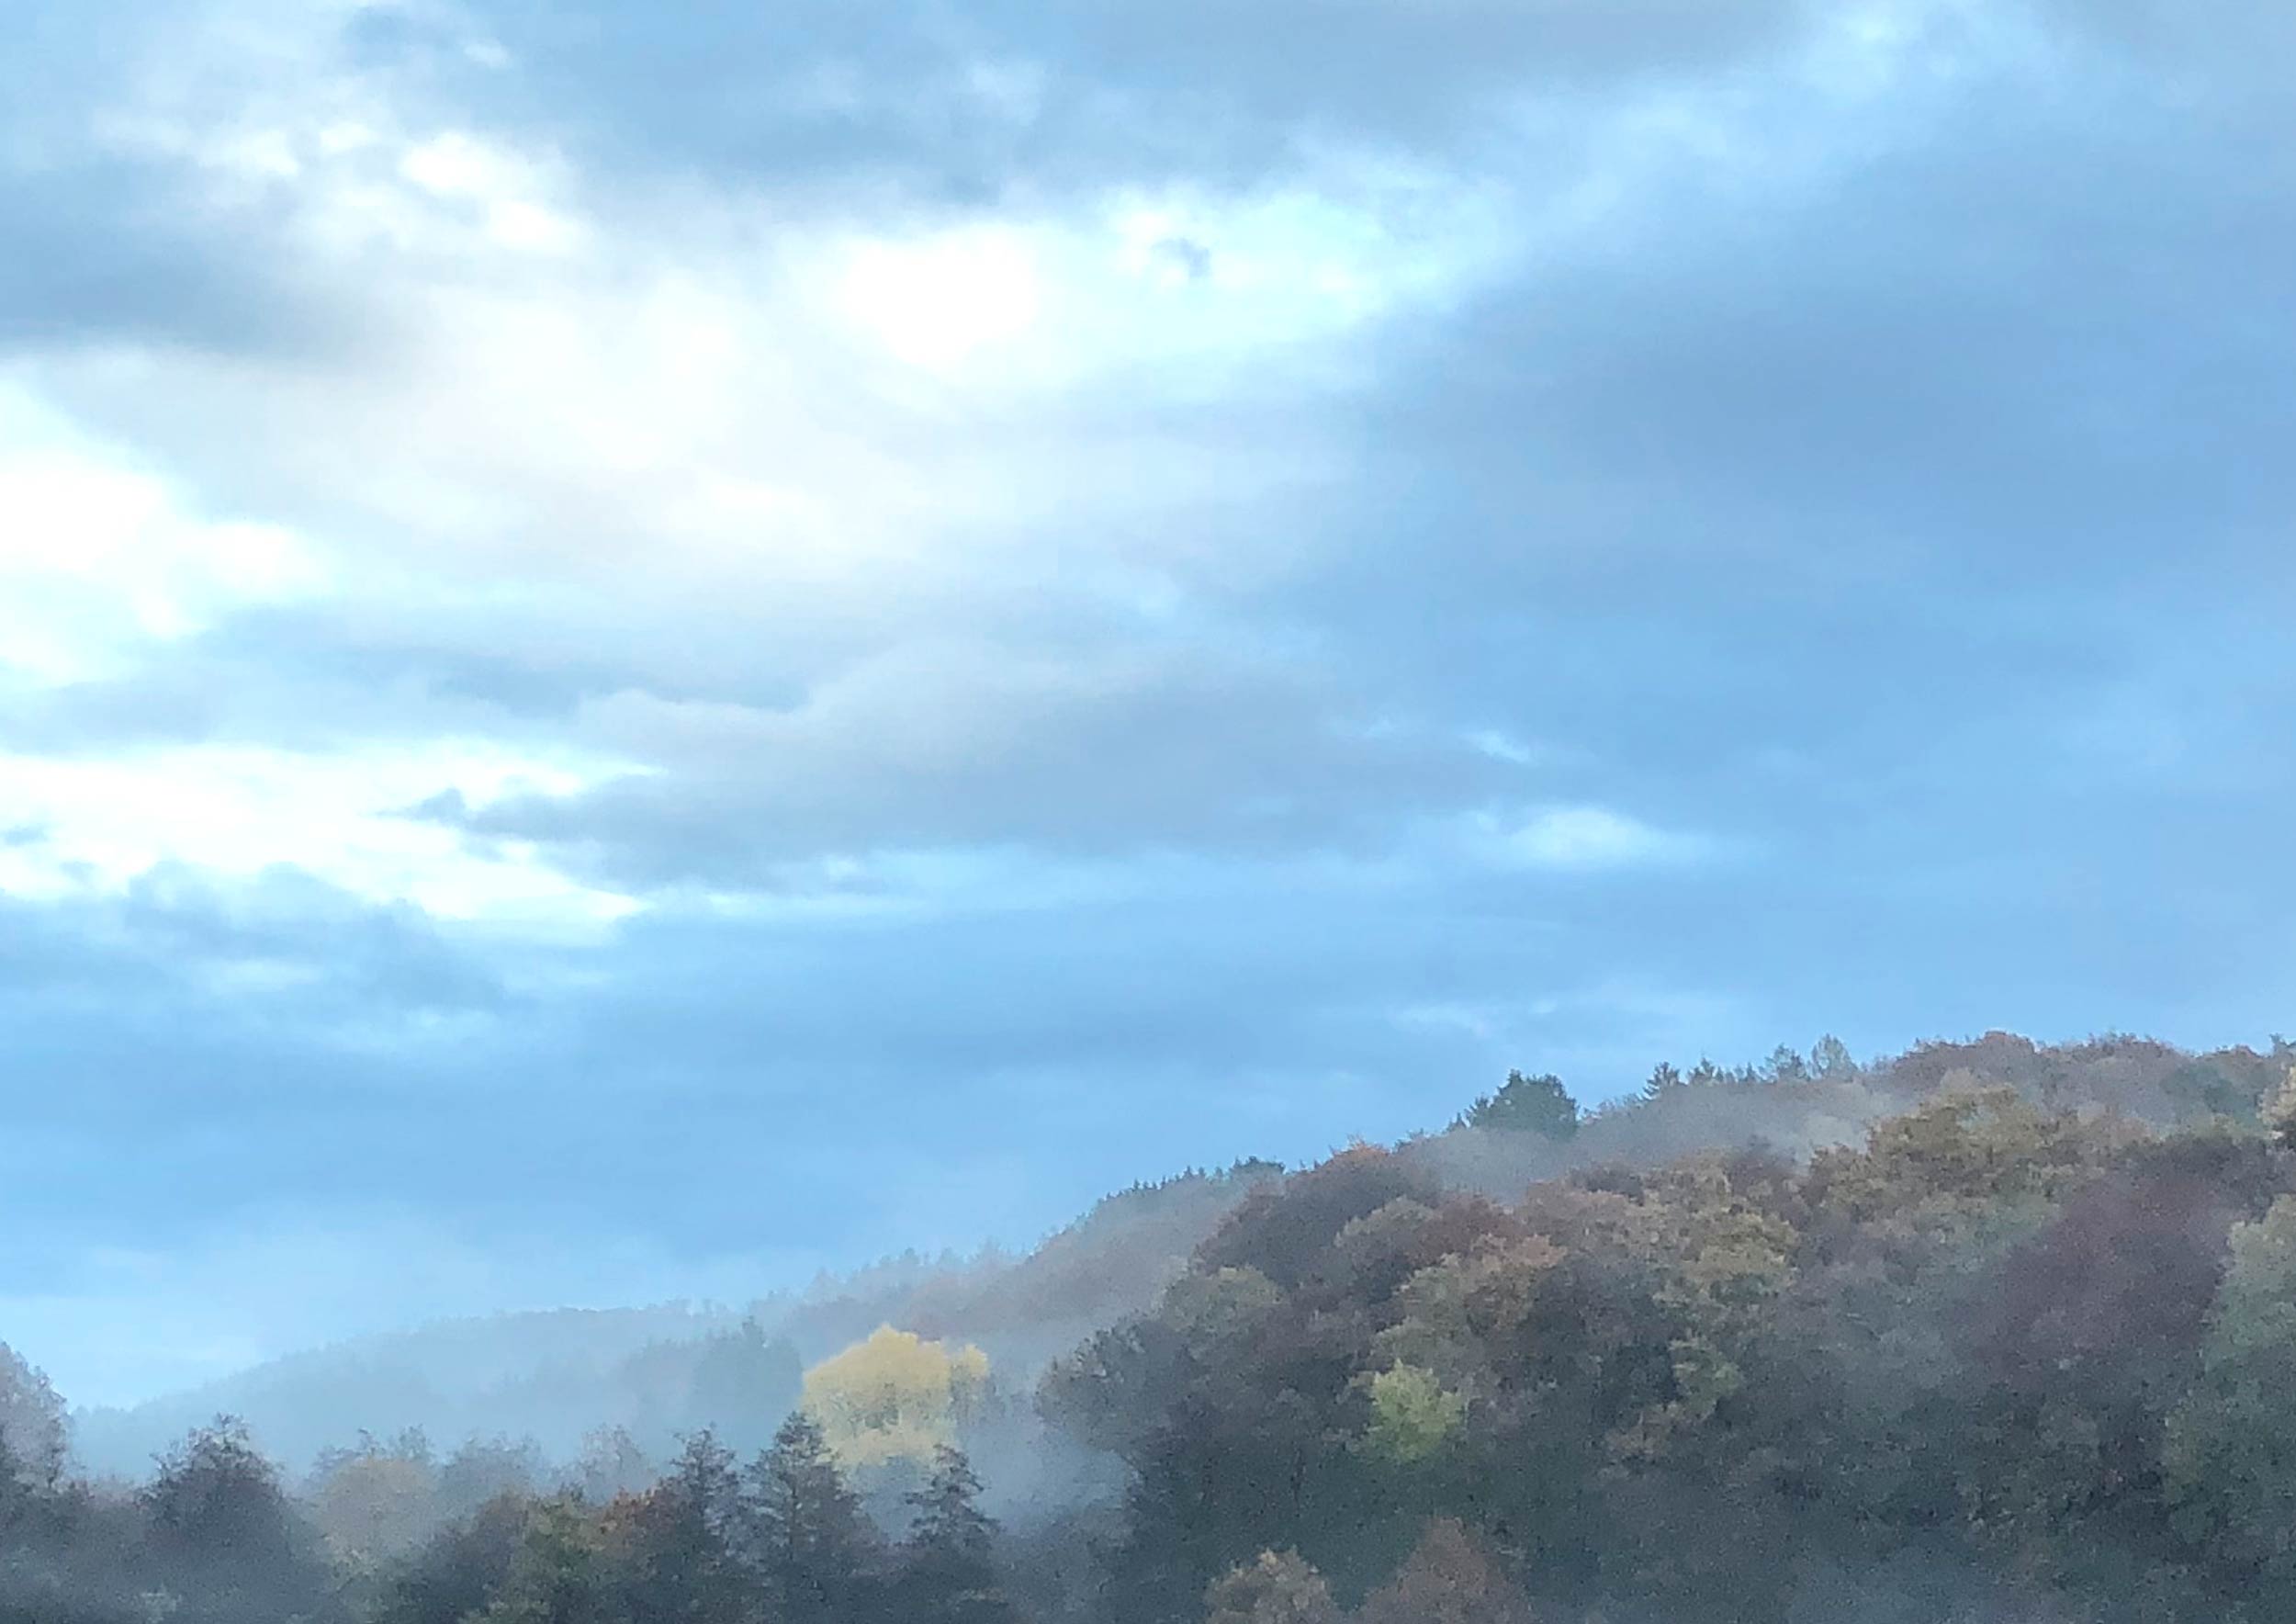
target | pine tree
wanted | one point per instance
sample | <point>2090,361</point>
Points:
<point>1526,1104</point>
<point>948,1570</point>
<point>682,1560</point>
<point>809,1543</point>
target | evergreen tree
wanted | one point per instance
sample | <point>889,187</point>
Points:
<point>1786,1065</point>
<point>683,1568</point>
<point>811,1546</point>
<point>948,1569</point>
<point>743,1384</point>
<point>219,1520</point>
<point>1526,1104</point>
<point>1831,1059</point>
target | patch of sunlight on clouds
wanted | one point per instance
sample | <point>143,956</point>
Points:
<point>97,556</point>
<point>935,301</point>
<point>1164,281</point>
<point>504,186</point>
<point>238,811</point>
<point>1584,838</point>
<point>1502,745</point>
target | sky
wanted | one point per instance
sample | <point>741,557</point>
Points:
<point>645,650</point>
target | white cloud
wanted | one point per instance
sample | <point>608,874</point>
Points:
<point>238,811</point>
<point>99,557</point>
<point>934,302</point>
<point>1586,839</point>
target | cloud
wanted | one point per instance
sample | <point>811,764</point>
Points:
<point>964,108</point>
<point>957,744</point>
<point>716,632</point>
<point>101,557</point>
<point>1591,837</point>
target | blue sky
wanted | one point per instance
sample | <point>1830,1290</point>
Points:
<point>641,653</point>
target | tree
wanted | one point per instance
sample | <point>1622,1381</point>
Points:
<point>1786,1065</point>
<point>215,1493</point>
<point>1277,1588</point>
<point>375,1502</point>
<point>1414,1416</point>
<point>460,1570</point>
<point>484,1471</point>
<point>559,1574</point>
<point>220,1526</point>
<point>743,1384</point>
<point>1447,1580</point>
<point>1527,1105</point>
<point>2230,1452</point>
<point>1665,1079</point>
<point>810,1545</point>
<point>2279,1112</point>
<point>612,1463</point>
<point>683,1567</point>
<point>1830,1059</point>
<point>948,1569</point>
<point>32,1421</point>
<point>896,1396</point>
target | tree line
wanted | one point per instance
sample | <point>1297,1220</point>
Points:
<point>2025,1347</point>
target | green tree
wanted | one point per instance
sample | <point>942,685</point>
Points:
<point>682,1564</point>
<point>2230,1452</point>
<point>560,1575</point>
<point>1414,1416</point>
<point>809,1543</point>
<point>220,1525</point>
<point>460,1570</point>
<point>1830,1059</point>
<point>948,1563</point>
<point>1527,1105</point>
<point>32,1421</point>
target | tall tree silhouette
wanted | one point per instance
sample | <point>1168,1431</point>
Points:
<point>948,1569</point>
<point>810,1544</point>
<point>683,1568</point>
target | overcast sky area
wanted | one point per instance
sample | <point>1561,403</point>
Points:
<point>640,653</point>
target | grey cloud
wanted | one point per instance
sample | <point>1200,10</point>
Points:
<point>104,251</point>
<point>967,103</point>
<point>952,744</point>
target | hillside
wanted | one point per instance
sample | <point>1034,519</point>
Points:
<point>1987,1330</point>
<point>555,1377</point>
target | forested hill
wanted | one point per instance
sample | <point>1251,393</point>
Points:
<point>557,1378</point>
<point>1987,1331</point>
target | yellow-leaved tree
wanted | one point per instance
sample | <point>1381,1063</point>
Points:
<point>896,1396</point>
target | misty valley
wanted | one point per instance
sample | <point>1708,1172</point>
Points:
<point>1985,1331</point>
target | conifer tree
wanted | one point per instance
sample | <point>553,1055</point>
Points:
<point>811,1546</point>
<point>949,1571</point>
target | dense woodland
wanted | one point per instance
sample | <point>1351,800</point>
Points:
<point>1987,1331</point>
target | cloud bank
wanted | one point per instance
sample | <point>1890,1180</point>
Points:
<point>681,649</point>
